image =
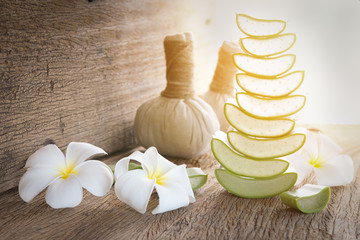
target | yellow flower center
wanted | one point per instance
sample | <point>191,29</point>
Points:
<point>316,161</point>
<point>64,172</point>
<point>158,176</point>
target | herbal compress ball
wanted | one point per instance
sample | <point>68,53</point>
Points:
<point>222,86</point>
<point>177,123</point>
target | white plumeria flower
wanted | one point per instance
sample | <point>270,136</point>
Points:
<point>322,155</point>
<point>170,181</point>
<point>65,176</point>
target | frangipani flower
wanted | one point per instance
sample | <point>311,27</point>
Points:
<point>322,155</point>
<point>170,181</point>
<point>65,176</point>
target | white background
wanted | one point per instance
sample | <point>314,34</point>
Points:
<point>327,48</point>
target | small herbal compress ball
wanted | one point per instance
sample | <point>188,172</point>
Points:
<point>222,86</point>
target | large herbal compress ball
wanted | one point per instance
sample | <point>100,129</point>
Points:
<point>177,123</point>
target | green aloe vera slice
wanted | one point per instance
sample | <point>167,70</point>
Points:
<point>245,166</point>
<point>264,67</point>
<point>254,126</point>
<point>259,27</point>
<point>263,47</point>
<point>307,199</point>
<point>270,107</point>
<point>253,187</point>
<point>261,148</point>
<point>270,87</point>
<point>197,177</point>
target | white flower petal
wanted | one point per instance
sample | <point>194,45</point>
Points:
<point>135,188</point>
<point>122,165</point>
<point>299,161</point>
<point>171,196</point>
<point>77,152</point>
<point>49,157</point>
<point>179,176</point>
<point>302,170</point>
<point>151,160</point>
<point>165,165</point>
<point>339,170</point>
<point>64,193</point>
<point>327,147</point>
<point>34,181</point>
<point>95,176</point>
<point>311,146</point>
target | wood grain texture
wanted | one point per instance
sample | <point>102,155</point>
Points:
<point>76,70</point>
<point>216,214</point>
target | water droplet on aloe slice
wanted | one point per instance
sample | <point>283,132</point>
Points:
<point>264,67</point>
<point>245,166</point>
<point>274,87</point>
<point>270,108</point>
<point>253,187</point>
<point>259,27</point>
<point>266,148</point>
<point>308,199</point>
<point>197,177</point>
<point>263,47</point>
<point>257,127</point>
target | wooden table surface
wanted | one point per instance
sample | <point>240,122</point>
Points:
<point>216,214</point>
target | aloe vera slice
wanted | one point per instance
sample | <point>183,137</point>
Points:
<point>133,166</point>
<point>263,47</point>
<point>265,67</point>
<point>254,126</point>
<point>266,148</point>
<point>270,108</point>
<point>255,188</point>
<point>245,166</point>
<point>259,27</point>
<point>308,199</point>
<point>197,177</point>
<point>276,87</point>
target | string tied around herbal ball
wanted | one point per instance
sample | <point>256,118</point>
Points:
<point>179,66</point>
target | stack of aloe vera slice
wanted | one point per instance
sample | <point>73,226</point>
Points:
<point>263,130</point>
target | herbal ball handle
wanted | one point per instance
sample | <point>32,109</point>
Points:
<point>224,76</point>
<point>179,66</point>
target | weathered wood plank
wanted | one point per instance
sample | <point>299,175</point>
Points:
<point>216,214</point>
<point>77,70</point>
